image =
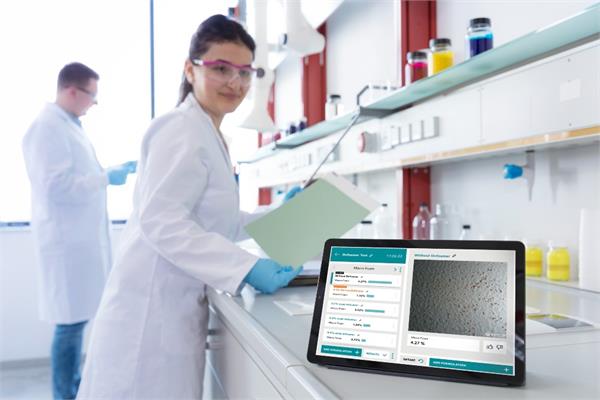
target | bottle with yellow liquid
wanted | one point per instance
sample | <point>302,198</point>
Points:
<point>534,260</point>
<point>558,262</point>
<point>442,56</point>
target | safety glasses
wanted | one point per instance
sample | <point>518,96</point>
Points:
<point>91,94</point>
<point>225,72</point>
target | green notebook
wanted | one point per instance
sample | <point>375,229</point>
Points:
<point>296,231</point>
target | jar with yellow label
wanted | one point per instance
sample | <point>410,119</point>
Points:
<point>534,260</point>
<point>558,262</point>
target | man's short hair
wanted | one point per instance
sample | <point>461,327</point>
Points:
<point>75,74</point>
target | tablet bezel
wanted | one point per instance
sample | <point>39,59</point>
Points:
<point>427,372</point>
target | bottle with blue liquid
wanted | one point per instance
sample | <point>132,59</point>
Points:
<point>479,36</point>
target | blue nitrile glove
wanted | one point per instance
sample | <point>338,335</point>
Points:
<point>268,276</point>
<point>117,175</point>
<point>132,165</point>
<point>291,193</point>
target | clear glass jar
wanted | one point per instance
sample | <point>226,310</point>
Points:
<point>439,226</point>
<point>479,37</point>
<point>333,106</point>
<point>421,223</point>
<point>442,56</point>
<point>465,233</point>
<point>416,66</point>
<point>558,262</point>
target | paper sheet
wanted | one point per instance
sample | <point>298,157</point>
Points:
<point>296,231</point>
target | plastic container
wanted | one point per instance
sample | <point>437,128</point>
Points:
<point>534,260</point>
<point>479,37</point>
<point>465,233</point>
<point>439,225</point>
<point>558,262</point>
<point>333,106</point>
<point>385,223</point>
<point>421,223</point>
<point>442,56</point>
<point>416,66</point>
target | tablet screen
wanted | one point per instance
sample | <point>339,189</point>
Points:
<point>436,308</point>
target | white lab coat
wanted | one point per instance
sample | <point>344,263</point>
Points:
<point>150,331</point>
<point>69,219</point>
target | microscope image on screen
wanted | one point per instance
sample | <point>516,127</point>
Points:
<point>459,297</point>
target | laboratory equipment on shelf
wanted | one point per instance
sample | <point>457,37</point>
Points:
<point>385,223</point>
<point>527,171</point>
<point>333,106</point>
<point>439,225</point>
<point>558,262</point>
<point>534,257</point>
<point>421,223</point>
<point>466,233</point>
<point>416,66</point>
<point>479,37</point>
<point>442,56</point>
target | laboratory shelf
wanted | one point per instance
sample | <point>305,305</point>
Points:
<point>560,36</point>
<point>391,160</point>
<point>568,284</point>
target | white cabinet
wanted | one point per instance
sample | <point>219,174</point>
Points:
<point>237,373</point>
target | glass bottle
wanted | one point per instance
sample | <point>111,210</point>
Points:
<point>479,37</point>
<point>533,260</point>
<point>421,223</point>
<point>442,56</point>
<point>558,262</point>
<point>439,225</point>
<point>465,233</point>
<point>385,223</point>
<point>365,230</point>
<point>332,106</point>
<point>416,66</point>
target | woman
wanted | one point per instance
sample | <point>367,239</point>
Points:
<point>150,331</point>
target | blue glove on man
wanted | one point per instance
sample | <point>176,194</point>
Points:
<point>117,175</point>
<point>291,193</point>
<point>268,276</point>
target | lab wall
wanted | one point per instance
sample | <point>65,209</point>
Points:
<point>510,18</point>
<point>566,180</point>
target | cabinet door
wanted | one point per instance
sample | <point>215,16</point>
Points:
<point>238,374</point>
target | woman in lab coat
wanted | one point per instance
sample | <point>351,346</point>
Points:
<point>150,331</point>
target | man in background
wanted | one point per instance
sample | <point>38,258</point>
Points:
<point>69,219</point>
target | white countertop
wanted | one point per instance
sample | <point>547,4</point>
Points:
<point>559,365</point>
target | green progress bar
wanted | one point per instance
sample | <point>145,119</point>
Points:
<point>382,282</point>
<point>377,311</point>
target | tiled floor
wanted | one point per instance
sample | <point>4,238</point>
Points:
<point>25,383</point>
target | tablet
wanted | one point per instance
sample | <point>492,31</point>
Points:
<point>446,309</point>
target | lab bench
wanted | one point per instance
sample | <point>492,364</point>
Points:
<point>257,350</point>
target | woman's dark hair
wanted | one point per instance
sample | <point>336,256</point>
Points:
<point>215,29</point>
<point>75,74</point>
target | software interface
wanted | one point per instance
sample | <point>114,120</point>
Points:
<point>439,308</point>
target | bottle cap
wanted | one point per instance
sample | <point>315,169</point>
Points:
<point>334,97</point>
<point>366,222</point>
<point>440,41</point>
<point>466,226</point>
<point>479,22</point>
<point>416,55</point>
<point>384,204</point>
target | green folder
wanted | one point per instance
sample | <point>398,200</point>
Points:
<point>296,231</point>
